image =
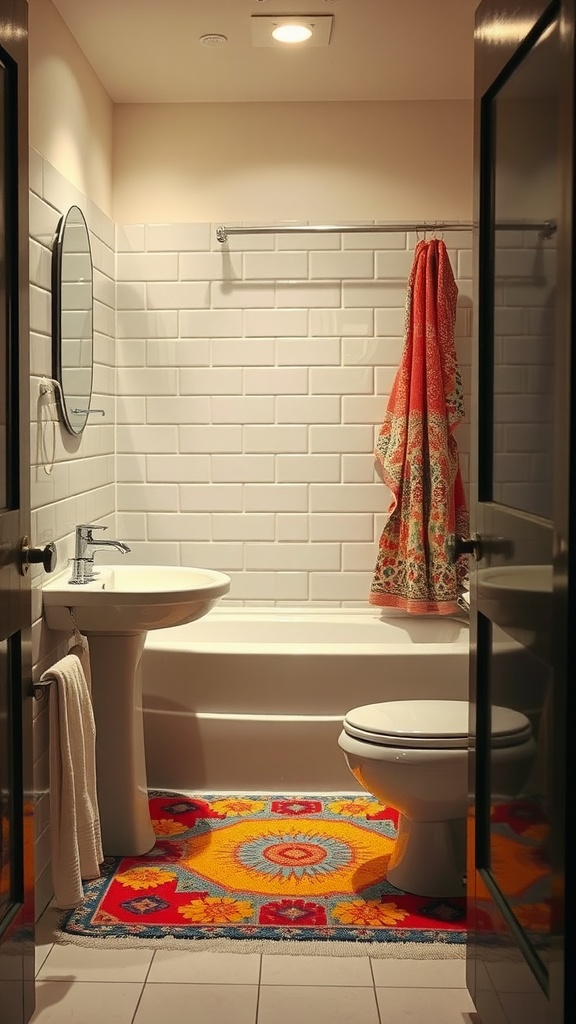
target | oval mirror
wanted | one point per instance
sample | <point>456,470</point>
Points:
<point>72,303</point>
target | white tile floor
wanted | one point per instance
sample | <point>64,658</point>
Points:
<point>79,985</point>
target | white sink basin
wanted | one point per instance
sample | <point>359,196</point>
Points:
<point>133,598</point>
<point>515,580</point>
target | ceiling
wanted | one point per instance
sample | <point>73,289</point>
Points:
<point>148,51</point>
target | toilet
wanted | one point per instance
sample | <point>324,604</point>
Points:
<point>412,755</point>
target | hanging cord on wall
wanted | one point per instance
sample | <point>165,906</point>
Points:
<point>48,388</point>
<point>78,637</point>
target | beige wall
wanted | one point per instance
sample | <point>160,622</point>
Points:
<point>242,161</point>
<point>292,161</point>
<point>70,111</point>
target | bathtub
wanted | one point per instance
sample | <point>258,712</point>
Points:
<point>252,699</point>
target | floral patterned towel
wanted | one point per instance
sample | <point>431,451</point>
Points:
<point>262,867</point>
<point>418,450</point>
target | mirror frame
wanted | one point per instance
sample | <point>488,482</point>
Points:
<point>74,423</point>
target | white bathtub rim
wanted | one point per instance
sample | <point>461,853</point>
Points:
<point>183,637</point>
<point>298,649</point>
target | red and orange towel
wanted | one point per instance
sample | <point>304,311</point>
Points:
<point>418,450</point>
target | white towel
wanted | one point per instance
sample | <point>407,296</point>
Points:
<point>74,816</point>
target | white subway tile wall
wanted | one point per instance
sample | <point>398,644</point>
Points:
<point>81,485</point>
<point>252,381</point>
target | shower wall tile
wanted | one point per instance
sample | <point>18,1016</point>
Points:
<point>260,323</point>
<point>185,468</point>
<point>268,381</point>
<point>340,381</point>
<point>341,438</point>
<point>243,352</point>
<point>308,468</point>
<point>182,237</point>
<point>195,409</point>
<point>341,527</point>
<point>344,498</point>
<point>182,526</point>
<point>325,409</point>
<point>238,295</point>
<point>305,557</point>
<point>311,352</point>
<point>244,527</point>
<point>179,295</point>
<point>225,439</point>
<point>265,368</point>
<point>270,586</point>
<point>210,266</point>
<point>147,267</point>
<point>276,498</point>
<point>358,469</point>
<point>341,265</point>
<point>342,322</point>
<point>147,497</point>
<point>359,409</point>
<point>393,263</point>
<point>222,557</point>
<point>146,439</point>
<point>281,439</point>
<point>211,497</point>
<point>267,266</point>
<point>375,240</point>
<point>292,527</point>
<point>243,410</point>
<point>137,324</point>
<point>248,469</point>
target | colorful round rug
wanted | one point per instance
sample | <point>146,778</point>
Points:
<point>248,867</point>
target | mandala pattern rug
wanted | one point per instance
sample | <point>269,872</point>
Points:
<point>291,869</point>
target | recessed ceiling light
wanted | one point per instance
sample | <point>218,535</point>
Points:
<point>276,30</point>
<point>292,33</point>
<point>213,39</point>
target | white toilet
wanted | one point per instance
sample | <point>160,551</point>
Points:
<point>412,755</point>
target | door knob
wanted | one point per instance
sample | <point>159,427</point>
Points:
<point>45,556</point>
<point>458,546</point>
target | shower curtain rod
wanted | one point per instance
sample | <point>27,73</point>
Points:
<point>546,228</point>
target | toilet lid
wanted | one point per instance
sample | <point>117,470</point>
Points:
<point>427,724</point>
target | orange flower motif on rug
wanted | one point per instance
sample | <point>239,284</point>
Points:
<point>369,913</point>
<point>144,878</point>
<point>216,910</point>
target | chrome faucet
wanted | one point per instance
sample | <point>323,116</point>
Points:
<point>83,561</point>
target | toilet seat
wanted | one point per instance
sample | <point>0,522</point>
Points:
<point>431,724</point>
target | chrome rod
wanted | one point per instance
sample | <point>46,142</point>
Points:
<point>545,228</point>
<point>40,689</point>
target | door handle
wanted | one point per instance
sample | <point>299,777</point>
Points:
<point>45,556</point>
<point>479,547</point>
<point>457,546</point>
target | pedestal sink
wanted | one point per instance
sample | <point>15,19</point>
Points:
<point>116,611</point>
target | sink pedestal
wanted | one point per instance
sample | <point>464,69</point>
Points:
<point>120,759</point>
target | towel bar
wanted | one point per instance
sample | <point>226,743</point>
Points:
<point>41,689</point>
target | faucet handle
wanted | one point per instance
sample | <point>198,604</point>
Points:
<point>90,526</point>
